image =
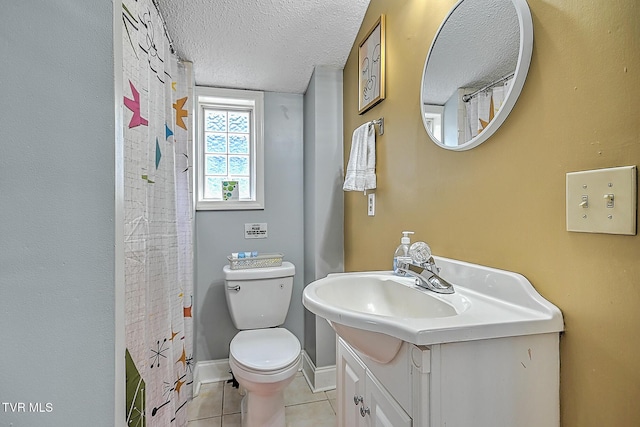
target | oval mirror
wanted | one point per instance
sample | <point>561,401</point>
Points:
<point>475,70</point>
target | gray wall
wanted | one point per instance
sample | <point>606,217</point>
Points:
<point>323,199</point>
<point>218,233</point>
<point>57,218</point>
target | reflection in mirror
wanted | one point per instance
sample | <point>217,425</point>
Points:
<point>475,70</point>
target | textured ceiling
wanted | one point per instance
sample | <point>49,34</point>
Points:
<point>268,45</point>
<point>479,44</point>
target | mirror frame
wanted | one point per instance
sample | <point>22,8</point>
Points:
<point>522,68</point>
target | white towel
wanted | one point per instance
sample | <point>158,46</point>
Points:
<point>361,169</point>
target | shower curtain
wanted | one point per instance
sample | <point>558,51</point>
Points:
<point>483,107</point>
<point>157,88</point>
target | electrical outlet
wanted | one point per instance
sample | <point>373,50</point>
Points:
<point>371,204</point>
<point>602,201</point>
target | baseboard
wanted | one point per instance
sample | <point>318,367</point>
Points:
<point>210,371</point>
<point>319,379</point>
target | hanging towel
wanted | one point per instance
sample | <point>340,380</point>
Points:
<point>361,169</point>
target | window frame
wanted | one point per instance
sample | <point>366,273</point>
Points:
<point>207,98</point>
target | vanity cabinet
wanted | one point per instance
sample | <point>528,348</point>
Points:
<point>484,356</point>
<point>502,382</point>
<point>362,400</point>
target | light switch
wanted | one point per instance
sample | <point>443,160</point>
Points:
<point>602,200</point>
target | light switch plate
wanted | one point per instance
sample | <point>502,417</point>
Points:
<point>602,201</point>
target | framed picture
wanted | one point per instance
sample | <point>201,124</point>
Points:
<point>371,67</point>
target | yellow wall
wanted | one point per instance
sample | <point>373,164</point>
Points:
<point>503,204</point>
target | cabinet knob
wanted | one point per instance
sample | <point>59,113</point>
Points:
<point>357,400</point>
<point>364,411</point>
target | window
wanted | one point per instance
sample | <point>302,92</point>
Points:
<point>229,147</point>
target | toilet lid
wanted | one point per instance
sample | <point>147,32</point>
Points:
<point>265,349</point>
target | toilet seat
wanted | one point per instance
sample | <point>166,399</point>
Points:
<point>265,350</point>
<point>265,355</point>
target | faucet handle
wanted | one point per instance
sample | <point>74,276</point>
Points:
<point>420,253</point>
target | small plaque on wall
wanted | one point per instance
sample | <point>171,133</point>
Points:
<point>255,231</point>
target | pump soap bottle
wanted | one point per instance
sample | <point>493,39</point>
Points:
<point>402,252</point>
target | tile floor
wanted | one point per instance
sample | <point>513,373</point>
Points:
<point>218,405</point>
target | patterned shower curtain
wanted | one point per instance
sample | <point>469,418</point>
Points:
<point>158,221</point>
<point>482,108</point>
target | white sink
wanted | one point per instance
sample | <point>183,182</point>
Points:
<point>382,295</point>
<point>376,311</point>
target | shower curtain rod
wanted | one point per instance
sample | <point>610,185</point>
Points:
<point>468,97</point>
<point>164,27</point>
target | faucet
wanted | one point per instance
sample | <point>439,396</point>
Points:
<point>421,266</point>
<point>425,276</point>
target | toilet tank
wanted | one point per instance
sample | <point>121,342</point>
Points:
<point>259,297</point>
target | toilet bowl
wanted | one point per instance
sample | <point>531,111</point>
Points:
<point>264,362</point>
<point>263,357</point>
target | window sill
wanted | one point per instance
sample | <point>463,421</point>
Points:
<point>229,205</point>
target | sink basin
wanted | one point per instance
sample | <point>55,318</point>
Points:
<point>382,295</point>
<point>376,311</point>
<point>363,307</point>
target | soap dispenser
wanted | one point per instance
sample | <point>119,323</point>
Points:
<point>402,252</point>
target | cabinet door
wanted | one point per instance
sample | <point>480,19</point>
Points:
<point>350,388</point>
<point>383,410</point>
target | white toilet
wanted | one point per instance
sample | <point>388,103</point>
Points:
<point>263,358</point>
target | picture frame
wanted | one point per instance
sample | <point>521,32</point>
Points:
<point>371,67</point>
